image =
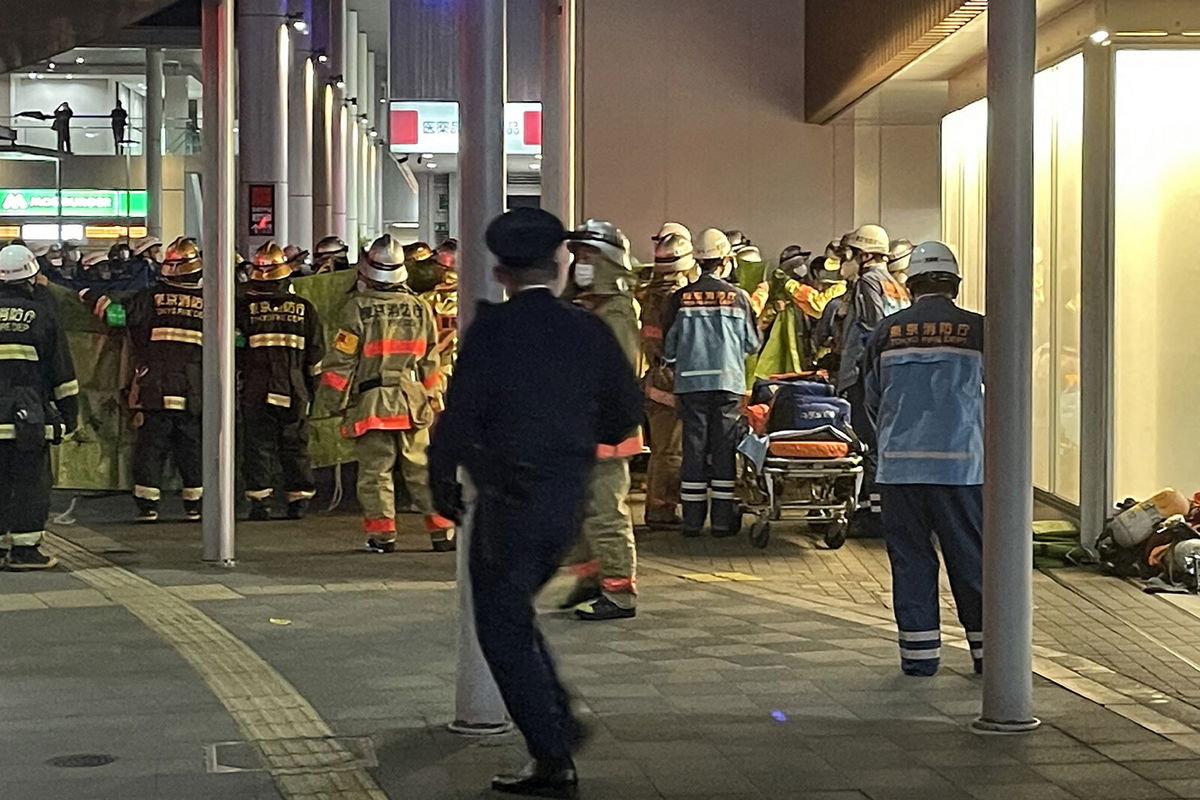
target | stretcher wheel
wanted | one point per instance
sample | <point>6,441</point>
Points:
<point>835,534</point>
<point>760,533</point>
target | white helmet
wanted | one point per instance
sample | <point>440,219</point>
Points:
<point>713,244</point>
<point>749,253</point>
<point>931,257</point>
<point>669,228</point>
<point>673,254</point>
<point>900,256</point>
<point>17,263</point>
<point>145,243</point>
<point>605,237</point>
<point>383,262</point>
<point>871,239</point>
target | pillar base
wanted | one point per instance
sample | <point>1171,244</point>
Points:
<point>989,727</point>
<point>463,728</point>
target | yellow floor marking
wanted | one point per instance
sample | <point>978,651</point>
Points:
<point>265,706</point>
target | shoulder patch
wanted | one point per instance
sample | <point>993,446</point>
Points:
<point>346,342</point>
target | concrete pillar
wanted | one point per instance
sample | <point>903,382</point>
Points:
<point>175,113</point>
<point>152,141</point>
<point>1008,364</point>
<point>426,206</point>
<point>264,61</point>
<point>319,39</point>
<point>216,34</point>
<point>351,147</point>
<point>300,148</point>
<point>481,165</point>
<point>558,109</point>
<point>337,121</point>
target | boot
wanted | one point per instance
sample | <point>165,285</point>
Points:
<point>586,589</point>
<point>147,511</point>
<point>259,510</point>
<point>191,510</point>
<point>28,558</point>
<point>444,545</point>
<point>379,546</point>
<point>296,509</point>
<point>541,778</point>
<point>602,608</point>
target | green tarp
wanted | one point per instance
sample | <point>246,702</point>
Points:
<point>99,455</point>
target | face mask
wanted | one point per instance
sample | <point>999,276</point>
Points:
<point>585,275</point>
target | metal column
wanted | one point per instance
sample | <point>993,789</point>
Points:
<point>482,81</point>
<point>219,97</point>
<point>152,144</point>
<point>337,122</point>
<point>1008,364</point>
<point>300,148</point>
<point>319,37</point>
<point>352,146</point>
<point>558,109</point>
<point>1096,443</point>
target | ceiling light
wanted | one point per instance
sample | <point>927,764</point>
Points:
<point>141,85</point>
<point>538,156</point>
<point>338,81</point>
<point>322,58</point>
<point>1143,34</point>
<point>1100,36</point>
<point>78,59</point>
<point>426,155</point>
<point>535,166</point>
<point>300,26</point>
<point>374,133</point>
<point>383,99</point>
<point>52,65</point>
<point>70,77</point>
<point>33,76</point>
<point>431,165</point>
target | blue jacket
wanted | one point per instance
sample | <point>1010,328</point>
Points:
<point>710,329</point>
<point>924,389</point>
<point>875,295</point>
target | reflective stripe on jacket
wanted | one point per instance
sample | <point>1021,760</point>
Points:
<point>710,331</point>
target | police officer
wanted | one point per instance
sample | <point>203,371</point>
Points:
<point>710,330</point>
<point>281,344</point>
<point>924,391</point>
<point>380,372</point>
<point>674,267</point>
<point>538,385</point>
<point>38,405</point>
<point>166,332</point>
<point>605,560</point>
<point>874,294</point>
<point>331,255</point>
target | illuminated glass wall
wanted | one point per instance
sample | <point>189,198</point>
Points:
<point>1157,314</point>
<point>1057,207</point>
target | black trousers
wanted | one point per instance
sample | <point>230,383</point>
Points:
<point>712,428</point>
<point>163,434</point>
<point>516,547</point>
<point>25,482</point>
<point>867,519</point>
<point>275,437</point>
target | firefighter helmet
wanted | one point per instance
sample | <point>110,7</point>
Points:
<point>713,245</point>
<point>605,237</point>
<point>793,258</point>
<point>871,239</point>
<point>331,246</point>
<point>182,259</point>
<point>270,263</point>
<point>669,228</point>
<point>145,244</point>
<point>417,251</point>
<point>900,256</point>
<point>383,262</point>
<point>120,252</point>
<point>933,257</point>
<point>674,253</point>
<point>17,263</point>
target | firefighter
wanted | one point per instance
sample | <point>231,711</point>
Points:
<point>710,329</point>
<point>875,294</point>
<point>381,372</point>
<point>924,392</point>
<point>671,227</point>
<point>899,259</point>
<point>166,331</point>
<point>443,299</point>
<point>605,559</point>
<point>674,267</point>
<point>38,406</point>
<point>331,255</point>
<point>281,347</point>
<point>422,267</point>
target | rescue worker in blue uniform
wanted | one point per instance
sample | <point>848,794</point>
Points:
<point>873,295</point>
<point>924,391</point>
<point>710,329</point>
<point>38,406</point>
<point>538,385</point>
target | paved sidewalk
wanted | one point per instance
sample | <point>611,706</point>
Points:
<point>746,674</point>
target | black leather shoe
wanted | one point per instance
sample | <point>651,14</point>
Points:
<point>584,591</point>
<point>541,779</point>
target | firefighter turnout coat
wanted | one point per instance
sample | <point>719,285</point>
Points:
<point>282,349</point>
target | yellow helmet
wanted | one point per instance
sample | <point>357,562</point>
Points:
<point>270,264</point>
<point>182,259</point>
<point>417,251</point>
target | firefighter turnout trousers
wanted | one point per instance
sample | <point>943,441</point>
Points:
<point>712,426</point>
<point>666,456</point>
<point>25,482</point>
<point>379,452</point>
<point>163,434</point>
<point>954,514</point>
<point>606,553</point>
<point>276,436</point>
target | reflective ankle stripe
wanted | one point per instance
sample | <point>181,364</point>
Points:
<point>258,494</point>
<point>192,494</point>
<point>26,539</point>
<point>147,493</point>
<point>920,645</point>
<point>305,494</point>
<point>975,641</point>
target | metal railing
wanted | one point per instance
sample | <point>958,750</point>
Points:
<point>93,135</point>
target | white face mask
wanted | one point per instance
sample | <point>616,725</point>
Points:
<point>585,275</point>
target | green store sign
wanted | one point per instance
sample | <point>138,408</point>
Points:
<point>97,203</point>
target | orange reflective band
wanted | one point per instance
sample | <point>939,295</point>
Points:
<point>379,525</point>
<point>394,347</point>
<point>335,381</point>
<point>651,332</point>
<point>431,382</point>
<point>619,585</point>
<point>626,449</point>
<point>586,569</point>
<point>436,522</point>
<point>399,422</point>
<point>659,396</point>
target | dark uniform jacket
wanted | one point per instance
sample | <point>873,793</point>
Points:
<point>281,349</point>
<point>537,386</point>
<point>166,328</point>
<point>38,390</point>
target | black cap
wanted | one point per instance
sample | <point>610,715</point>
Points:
<point>524,236</point>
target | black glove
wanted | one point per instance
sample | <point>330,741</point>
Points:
<point>448,500</point>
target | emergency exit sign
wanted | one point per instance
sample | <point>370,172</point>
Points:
<point>96,203</point>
